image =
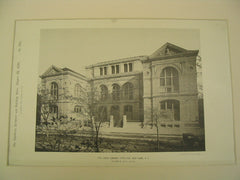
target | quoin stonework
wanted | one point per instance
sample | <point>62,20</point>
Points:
<point>131,92</point>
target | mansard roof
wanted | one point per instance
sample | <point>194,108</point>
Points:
<point>169,50</point>
<point>55,71</point>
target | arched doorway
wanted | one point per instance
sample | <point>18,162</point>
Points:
<point>117,121</point>
<point>128,111</point>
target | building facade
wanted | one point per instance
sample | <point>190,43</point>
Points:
<point>170,87</point>
<point>63,91</point>
<point>132,91</point>
<point>120,85</point>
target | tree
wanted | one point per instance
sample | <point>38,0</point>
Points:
<point>46,103</point>
<point>97,121</point>
<point>159,116</point>
<point>96,113</point>
<point>44,107</point>
<point>60,127</point>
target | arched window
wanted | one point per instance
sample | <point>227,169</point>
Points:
<point>77,90</point>
<point>115,92</point>
<point>170,109</point>
<point>128,91</point>
<point>54,90</point>
<point>104,92</point>
<point>169,80</point>
<point>77,109</point>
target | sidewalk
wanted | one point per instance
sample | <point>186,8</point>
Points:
<point>138,133</point>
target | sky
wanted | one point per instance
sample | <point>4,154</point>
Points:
<point>77,48</point>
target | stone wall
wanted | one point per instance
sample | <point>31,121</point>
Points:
<point>186,94</point>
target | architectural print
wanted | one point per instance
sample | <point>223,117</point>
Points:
<point>136,104</point>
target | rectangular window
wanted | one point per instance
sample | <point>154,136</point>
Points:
<point>105,70</point>
<point>113,69</point>
<point>101,71</point>
<point>117,69</point>
<point>125,68</point>
<point>130,67</point>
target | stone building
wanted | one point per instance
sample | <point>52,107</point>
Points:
<point>63,90</point>
<point>170,87</point>
<point>131,91</point>
<point>120,85</point>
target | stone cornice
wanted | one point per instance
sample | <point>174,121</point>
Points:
<point>121,101</point>
<point>65,73</point>
<point>171,95</point>
<point>117,61</point>
<point>178,55</point>
<point>117,75</point>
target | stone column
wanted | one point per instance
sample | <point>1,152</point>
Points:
<point>124,120</point>
<point>111,121</point>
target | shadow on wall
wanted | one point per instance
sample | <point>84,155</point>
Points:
<point>201,112</point>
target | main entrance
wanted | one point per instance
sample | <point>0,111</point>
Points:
<point>128,111</point>
<point>115,112</point>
